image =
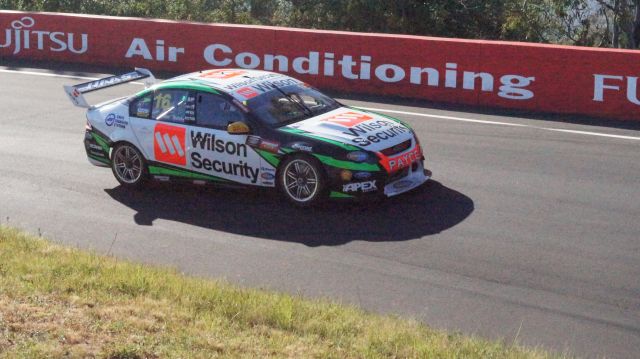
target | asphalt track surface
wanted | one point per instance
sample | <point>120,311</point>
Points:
<point>529,230</point>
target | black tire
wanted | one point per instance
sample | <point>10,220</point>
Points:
<point>302,181</point>
<point>128,165</point>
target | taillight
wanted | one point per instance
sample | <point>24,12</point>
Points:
<point>88,126</point>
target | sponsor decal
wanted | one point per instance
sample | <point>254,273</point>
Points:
<point>301,147</point>
<point>365,134</point>
<point>253,141</point>
<point>169,144</point>
<point>260,143</point>
<point>360,186</point>
<point>251,81</point>
<point>247,92</point>
<point>209,144</point>
<point>110,119</point>
<point>402,184</point>
<point>268,176</point>
<point>143,112</point>
<point>265,169</point>
<point>23,36</point>
<point>115,120</point>
<point>269,85</point>
<point>362,175</point>
<point>190,109</point>
<point>109,81</point>
<point>348,119</point>
<point>95,147</point>
<point>269,146</point>
<point>256,85</point>
<point>222,74</point>
<point>240,169</point>
<point>392,164</point>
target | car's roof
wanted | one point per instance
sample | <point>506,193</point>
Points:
<point>242,84</point>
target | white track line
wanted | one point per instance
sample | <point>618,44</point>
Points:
<point>462,119</point>
<point>45,74</point>
<point>587,133</point>
<point>450,118</point>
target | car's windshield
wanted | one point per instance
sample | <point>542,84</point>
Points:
<point>289,104</point>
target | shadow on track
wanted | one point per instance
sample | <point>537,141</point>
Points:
<point>428,210</point>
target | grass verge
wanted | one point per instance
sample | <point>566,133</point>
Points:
<point>59,302</point>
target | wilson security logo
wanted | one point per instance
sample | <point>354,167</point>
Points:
<point>168,144</point>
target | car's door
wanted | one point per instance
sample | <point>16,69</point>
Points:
<point>216,152</point>
<point>160,122</point>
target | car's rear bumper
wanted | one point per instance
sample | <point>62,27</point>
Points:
<point>97,148</point>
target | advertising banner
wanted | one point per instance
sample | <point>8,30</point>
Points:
<point>544,78</point>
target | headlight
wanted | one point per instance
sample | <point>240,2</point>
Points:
<point>358,156</point>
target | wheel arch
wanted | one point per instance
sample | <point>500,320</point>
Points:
<point>121,142</point>
<point>322,192</point>
<point>290,155</point>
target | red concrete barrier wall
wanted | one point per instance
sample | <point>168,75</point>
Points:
<point>547,78</point>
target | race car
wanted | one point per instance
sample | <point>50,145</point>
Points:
<point>248,128</point>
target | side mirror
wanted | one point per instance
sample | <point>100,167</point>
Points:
<point>238,128</point>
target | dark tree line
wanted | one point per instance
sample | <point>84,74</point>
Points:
<point>602,23</point>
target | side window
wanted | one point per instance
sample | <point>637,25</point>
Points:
<point>216,112</point>
<point>141,106</point>
<point>174,106</point>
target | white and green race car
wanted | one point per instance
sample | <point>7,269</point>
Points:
<point>249,128</point>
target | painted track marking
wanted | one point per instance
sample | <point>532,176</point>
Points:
<point>45,74</point>
<point>442,117</point>
<point>485,122</point>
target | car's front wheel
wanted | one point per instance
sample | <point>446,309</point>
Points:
<point>302,181</point>
<point>128,165</point>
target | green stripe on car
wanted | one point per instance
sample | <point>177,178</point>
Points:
<point>296,131</point>
<point>101,141</point>
<point>155,170</point>
<point>334,194</point>
<point>347,165</point>
<point>99,159</point>
<point>273,159</point>
<point>187,85</point>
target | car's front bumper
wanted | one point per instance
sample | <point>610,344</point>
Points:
<point>378,184</point>
<point>414,178</point>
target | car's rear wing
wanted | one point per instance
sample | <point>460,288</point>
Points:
<point>76,92</point>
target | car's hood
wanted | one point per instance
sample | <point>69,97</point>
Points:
<point>366,130</point>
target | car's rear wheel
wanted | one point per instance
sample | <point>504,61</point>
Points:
<point>128,165</point>
<point>302,181</point>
